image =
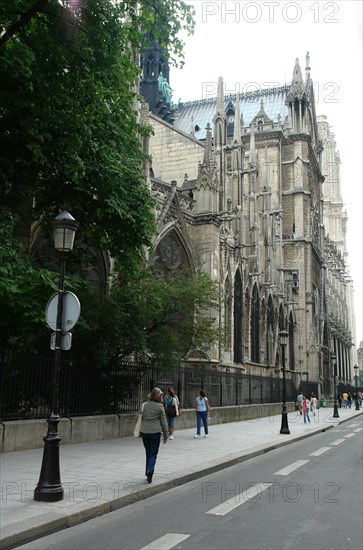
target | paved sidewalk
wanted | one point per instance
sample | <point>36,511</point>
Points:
<point>101,476</point>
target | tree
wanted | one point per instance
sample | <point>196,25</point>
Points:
<point>152,319</point>
<point>71,140</point>
<point>70,133</point>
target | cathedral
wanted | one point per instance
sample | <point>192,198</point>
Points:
<point>248,191</point>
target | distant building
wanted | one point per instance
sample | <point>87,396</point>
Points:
<point>249,192</point>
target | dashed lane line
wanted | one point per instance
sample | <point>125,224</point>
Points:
<point>166,542</point>
<point>320,451</point>
<point>252,493</point>
<point>291,468</point>
<point>337,442</point>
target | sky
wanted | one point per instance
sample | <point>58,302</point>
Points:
<point>254,45</point>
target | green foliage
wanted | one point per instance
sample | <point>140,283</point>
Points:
<point>70,134</point>
<point>24,291</point>
<point>70,139</point>
<point>152,319</point>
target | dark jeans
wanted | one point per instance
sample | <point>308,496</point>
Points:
<point>151,443</point>
<point>202,416</point>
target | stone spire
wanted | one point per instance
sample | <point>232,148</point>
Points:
<point>208,161</point>
<point>237,121</point>
<point>252,158</point>
<point>307,67</point>
<point>220,97</point>
<point>297,83</point>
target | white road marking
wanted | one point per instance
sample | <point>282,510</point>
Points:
<point>253,492</point>
<point>320,451</point>
<point>357,430</point>
<point>353,425</point>
<point>337,441</point>
<point>349,435</point>
<point>166,542</point>
<point>294,466</point>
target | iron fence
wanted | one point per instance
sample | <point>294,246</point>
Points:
<point>87,390</point>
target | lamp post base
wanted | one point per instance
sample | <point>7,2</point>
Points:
<point>49,488</point>
<point>284,422</point>
<point>335,414</point>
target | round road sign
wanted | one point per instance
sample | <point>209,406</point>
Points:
<point>71,311</point>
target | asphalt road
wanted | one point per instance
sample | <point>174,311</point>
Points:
<point>305,496</point>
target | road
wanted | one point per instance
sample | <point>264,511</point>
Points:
<point>307,495</point>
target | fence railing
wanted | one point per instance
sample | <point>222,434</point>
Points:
<point>87,390</point>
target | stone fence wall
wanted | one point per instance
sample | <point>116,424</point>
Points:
<point>20,435</point>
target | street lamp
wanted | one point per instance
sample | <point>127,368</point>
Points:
<point>49,488</point>
<point>283,343</point>
<point>333,358</point>
<point>356,387</point>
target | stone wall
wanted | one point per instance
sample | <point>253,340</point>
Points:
<point>20,435</point>
<point>174,153</point>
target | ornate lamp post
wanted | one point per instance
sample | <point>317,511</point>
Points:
<point>356,387</point>
<point>49,488</point>
<point>283,343</point>
<point>333,358</point>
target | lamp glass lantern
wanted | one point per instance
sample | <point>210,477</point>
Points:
<point>64,229</point>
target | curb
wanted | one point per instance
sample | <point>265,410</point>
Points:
<point>63,522</point>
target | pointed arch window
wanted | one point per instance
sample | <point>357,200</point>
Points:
<point>170,254</point>
<point>291,343</point>
<point>281,318</point>
<point>227,314</point>
<point>237,318</point>
<point>150,66</point>
<point>255,326</point>
<point>270,332</point>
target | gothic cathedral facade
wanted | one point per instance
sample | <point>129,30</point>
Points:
<point>239,181</point>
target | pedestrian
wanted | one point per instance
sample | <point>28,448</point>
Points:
<point>306,409</point>
<point>345,400</point>
<point>299,401</point>
<point>349,400</point>
<point>171,403</point>
<point>203,413</point>
<point>153,423</point>
<point>313,404</point>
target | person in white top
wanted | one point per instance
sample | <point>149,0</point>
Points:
<point>203,413</point>
<point>313,404</point>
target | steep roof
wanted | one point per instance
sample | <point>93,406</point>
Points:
<point>202,111</point>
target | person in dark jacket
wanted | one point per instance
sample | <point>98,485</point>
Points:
<point>153,423</point>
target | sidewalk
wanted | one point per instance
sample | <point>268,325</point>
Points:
<point>101,476</point>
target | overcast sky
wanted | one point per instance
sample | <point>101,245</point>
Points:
<point>255,44</point>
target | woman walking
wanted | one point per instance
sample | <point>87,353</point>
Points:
<point>313,404</point>
<point>203,413</point>
<point>171,410</point>
<point>306,409</point>
<point>153,423</point>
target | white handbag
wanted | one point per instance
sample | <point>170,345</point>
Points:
<point>138,422</point>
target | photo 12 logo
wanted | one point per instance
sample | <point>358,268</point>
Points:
<point>270,12</point>
<point>327,92</point>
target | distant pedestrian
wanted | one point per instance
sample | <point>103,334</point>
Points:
<point>306,409</point>
<point>299,401</point>
<point>345,400</point>
<point>171,403</point>
<point>313,404</point>
<point>203,413</point>
<point>153,423</point>
<point>349,400</point>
